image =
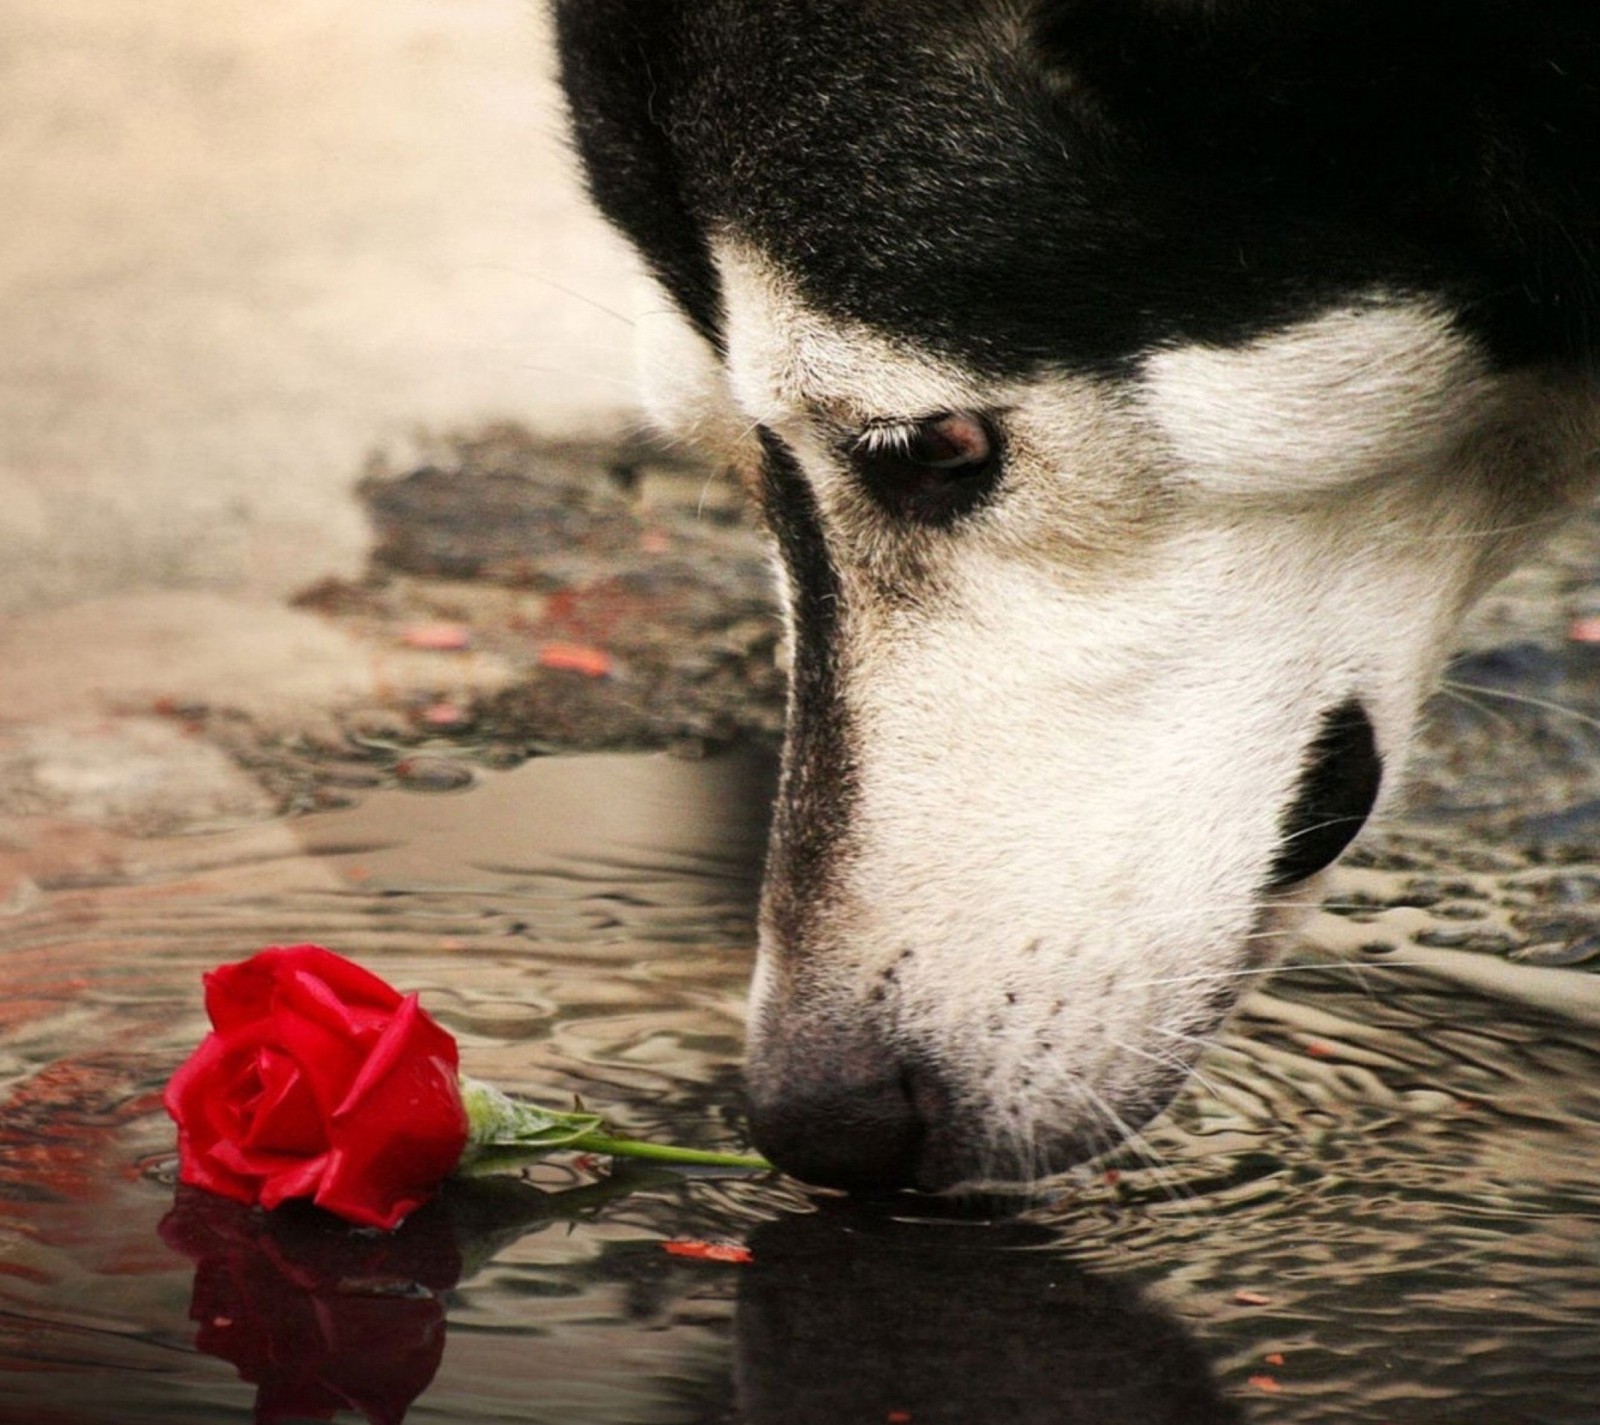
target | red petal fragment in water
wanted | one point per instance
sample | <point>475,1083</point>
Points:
<point>710,1251</point>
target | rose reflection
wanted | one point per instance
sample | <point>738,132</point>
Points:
<point>321,1317</point>
<point>318,1318</point>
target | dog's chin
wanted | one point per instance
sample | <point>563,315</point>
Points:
<point>988,1173</point>
<point>969,1156</point>
<point>1039,1164</point>
<point>839,1101</point>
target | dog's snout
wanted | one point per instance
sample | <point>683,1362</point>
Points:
<point>1338,787</point>
<point>857,1121</point>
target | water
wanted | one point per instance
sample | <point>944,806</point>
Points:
<point>1378,1203</point>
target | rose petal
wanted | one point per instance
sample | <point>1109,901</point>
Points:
<point>328,1060</point>
<point>577,658</point>
<point>382,1177</point>
<point>438,637</point>
<point>411,1031</point>
<point>709,1251</point>
<point>238,993</point>
<point>402,1127</point>
<point>191,1100</point>
<point>254,1163</point>
<point>184,1093</point>
<point>317,999</point>
<point>286,1119</point>
<point>198,1170</point>
<point>294,1180</point>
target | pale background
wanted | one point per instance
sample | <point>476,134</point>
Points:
<point>246,242</point>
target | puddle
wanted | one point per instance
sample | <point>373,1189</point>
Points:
<point>1378,1202</point>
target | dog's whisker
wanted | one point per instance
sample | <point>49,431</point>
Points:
<point>1169,1061</point>
<point>1524,700</point>
<point>1205,977</point>
<point>1017,1152</point>
<point>1312,828</point>
<point>1207,1044</point>
<point>1161,1173</point>
<point>1458,694</point>
<point>593,303</point>
<point>1547,522</point>
<point>1190,911</point>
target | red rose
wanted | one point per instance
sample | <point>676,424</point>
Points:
<point>318,1081</point>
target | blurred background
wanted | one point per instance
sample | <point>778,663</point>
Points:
<point>248,243</point>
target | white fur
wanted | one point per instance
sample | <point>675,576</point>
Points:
<point>786,361</point>
<point>1369,389</point>
<point>682,384</point>
<point>1079,725</point>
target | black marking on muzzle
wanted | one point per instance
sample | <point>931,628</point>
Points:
<point>818,781</point>
<point>1343,771</point>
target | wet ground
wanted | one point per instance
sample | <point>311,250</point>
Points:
<point>1377,1201</point>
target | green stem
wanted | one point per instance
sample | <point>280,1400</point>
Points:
<point>498,1123</point>
<point>664,1152</point>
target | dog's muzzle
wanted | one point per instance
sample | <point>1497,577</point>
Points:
<point>839,1097</point>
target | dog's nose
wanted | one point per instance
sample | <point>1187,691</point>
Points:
<point>852,1121</point>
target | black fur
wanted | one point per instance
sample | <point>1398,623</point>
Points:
<point>1343,772</point>
<point>1134,172</point>
<point>620,67</point>
<point>811,808</point>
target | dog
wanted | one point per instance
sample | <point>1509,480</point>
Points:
<point>1137,394</point>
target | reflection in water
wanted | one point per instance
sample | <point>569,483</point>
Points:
<point>1377,1203</point>
<point>846,1318</point>
<point>318,1319</point>
<point>322,1317</point>
<point>605,824</point>
<point>844,1314</point>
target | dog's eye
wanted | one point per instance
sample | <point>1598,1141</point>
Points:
<point>932,470</point>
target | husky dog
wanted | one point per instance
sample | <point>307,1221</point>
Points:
<point>1137,392</point>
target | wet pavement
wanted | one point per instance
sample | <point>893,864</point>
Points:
<point>1375,1202</point>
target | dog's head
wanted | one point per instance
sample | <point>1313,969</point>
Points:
<point>1137,392</point>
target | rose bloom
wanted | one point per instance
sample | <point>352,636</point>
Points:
<point>321,1081</point>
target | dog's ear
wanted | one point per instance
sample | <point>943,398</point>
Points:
<point>619,62</point>
<point>1462,130</point>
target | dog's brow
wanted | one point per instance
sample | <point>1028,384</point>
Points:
<point>786,358</point>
